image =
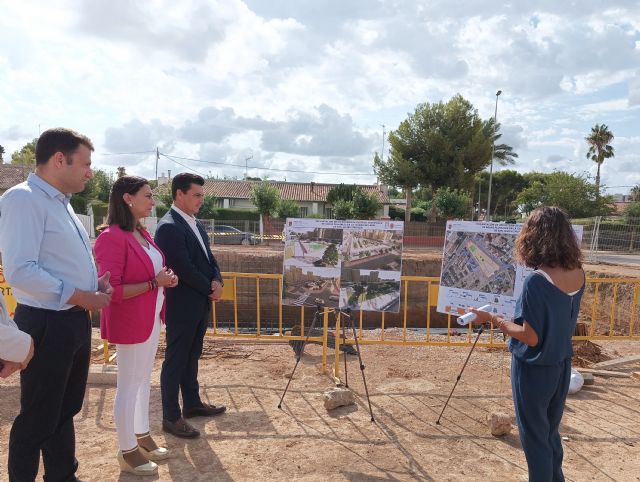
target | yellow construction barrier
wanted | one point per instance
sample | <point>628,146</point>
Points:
<point>609,311</point>
<point>606,314</point>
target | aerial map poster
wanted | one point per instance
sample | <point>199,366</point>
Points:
<point>346,264</point>
<point>478,267</point>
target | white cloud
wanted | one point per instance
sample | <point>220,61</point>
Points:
<point>306,85</point>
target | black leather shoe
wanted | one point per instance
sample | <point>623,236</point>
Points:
<point>180,428</point>
<point>205,410</point>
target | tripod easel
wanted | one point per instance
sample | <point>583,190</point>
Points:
<point>460,374</point>
<point>299,354</point>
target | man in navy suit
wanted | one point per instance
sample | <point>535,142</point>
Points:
<point>185,244</point>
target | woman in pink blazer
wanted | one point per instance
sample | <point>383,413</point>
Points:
<point>132,320</point>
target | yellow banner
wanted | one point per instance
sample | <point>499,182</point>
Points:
<point>5,289</point>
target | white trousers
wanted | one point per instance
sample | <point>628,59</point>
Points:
<point>131,406</point>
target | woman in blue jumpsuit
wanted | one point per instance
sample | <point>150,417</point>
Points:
<point>541,331</point>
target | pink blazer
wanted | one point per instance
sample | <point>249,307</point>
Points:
<point>126,321</point>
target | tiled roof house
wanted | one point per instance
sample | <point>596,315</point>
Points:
<point>11,174</point>
<point>311,197</point>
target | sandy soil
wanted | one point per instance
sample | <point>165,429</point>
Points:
<point>408,386</point>
<point>255,440</point>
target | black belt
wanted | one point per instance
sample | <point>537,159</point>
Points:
<point>73,309</point>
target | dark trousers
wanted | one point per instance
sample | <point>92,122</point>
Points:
<point>180,366</point>
<point>51,392</point>
<point>539,395</point>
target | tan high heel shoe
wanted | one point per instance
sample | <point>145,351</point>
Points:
<point>157,454</point>
<point>160,453</point>
<point>149,468</point>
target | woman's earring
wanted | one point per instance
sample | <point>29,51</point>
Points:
<point>130,205</point>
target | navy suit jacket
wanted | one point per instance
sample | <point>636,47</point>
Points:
<point>189,301</point>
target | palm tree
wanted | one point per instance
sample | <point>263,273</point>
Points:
<point>599,148</point>
<point>503,153</point>
<point>635,193</point>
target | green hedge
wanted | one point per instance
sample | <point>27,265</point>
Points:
<point>396,213</point>
<point>79,204</point>
<point>161,210</point>
<point>234,214</point>
<point>100,210</point>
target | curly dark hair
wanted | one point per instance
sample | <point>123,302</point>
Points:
<point>548,239</point>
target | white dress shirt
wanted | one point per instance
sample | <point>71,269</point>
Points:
<point>14,344</point>
<point>45,250</point>
<point>191,221</point>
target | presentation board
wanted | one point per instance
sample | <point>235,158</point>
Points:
<point>345,263</point>
<point>478,267</point>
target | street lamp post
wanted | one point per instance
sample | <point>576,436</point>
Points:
<point>493,151</point>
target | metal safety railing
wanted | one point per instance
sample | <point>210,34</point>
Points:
<point>609,311</point>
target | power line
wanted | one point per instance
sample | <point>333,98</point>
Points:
<point>125,153</point>
<point>184,165</point>
<point>269,168</point>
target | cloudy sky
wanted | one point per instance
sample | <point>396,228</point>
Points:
<point>303,88</point>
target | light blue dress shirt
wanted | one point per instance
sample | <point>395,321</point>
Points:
<point>46,252</point>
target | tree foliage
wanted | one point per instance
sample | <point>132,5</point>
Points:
<point>343,209</point>
<point>506,185</point>
<point>365,205</point>
<point>26,155</point>
<point>355,203</point>
<point>441,145</point>
<point>98,188</point>
<point>287,208</point>
<point>452,203</point>
<point>398,171</point>
<point>265,197</point>
<point>163,194</point>
<point>208,208</point>
<point>330,255</point>
<point>341,191</point>
<point>100,185</point>
<point>574,193</point>
<point>599,148</point>
<point>632,211</point>
<point>2,155</point>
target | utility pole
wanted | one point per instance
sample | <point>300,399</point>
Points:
<point>384,134</point>
<point>157,159</point>
<point>479,195</point>
<point>493,152</point>
<point>246,166</point>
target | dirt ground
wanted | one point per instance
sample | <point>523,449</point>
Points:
<point>408,386</point>
<point>255,440</point>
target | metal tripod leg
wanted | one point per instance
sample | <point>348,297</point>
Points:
<point>364,380</point>
<point>316,317</point>
<point>460,374</point>
<point>344,354</point>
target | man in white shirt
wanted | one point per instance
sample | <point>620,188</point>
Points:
<point>16,347</point>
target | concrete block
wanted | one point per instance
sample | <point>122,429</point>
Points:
<point>588,378</point>
<point>499,423</point>
<point>338,397</point>
<point>103,375</point>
